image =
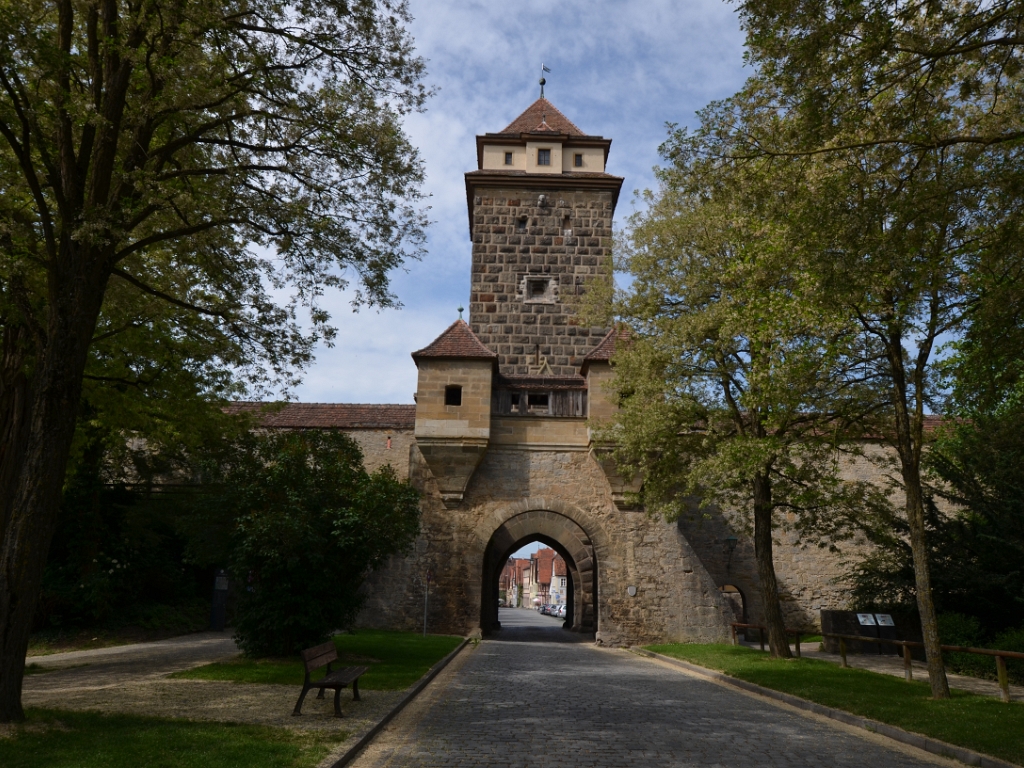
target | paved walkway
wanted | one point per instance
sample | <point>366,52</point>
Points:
<point>528,625</point>
<point>575,705</point>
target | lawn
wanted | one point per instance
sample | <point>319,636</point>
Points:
<point>396,661</point>
<point>980,723</point>
<point>92,740</point>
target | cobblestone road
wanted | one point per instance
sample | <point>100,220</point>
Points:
<point>550,704</point>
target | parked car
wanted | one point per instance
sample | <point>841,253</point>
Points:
<point>545,609</point>
<point>560,613</point>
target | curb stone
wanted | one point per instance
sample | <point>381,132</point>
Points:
<point>936,747</point>
<point>367,737</point>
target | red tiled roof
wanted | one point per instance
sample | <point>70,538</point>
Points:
<point>458,341</point>
<point>606,348</point>
<point>543,116</point>
<point>330,415</point>
<point>559,566</point>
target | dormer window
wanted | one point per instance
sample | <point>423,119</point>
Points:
<point>543,157</point>
<point>508,158</point>
<point>577,160</point>
<point>453,395</point>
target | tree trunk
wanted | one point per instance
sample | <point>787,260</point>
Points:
<point>909,434</point>
<point>778,643</point>
<point>923,585</point>
<point>35,474</point>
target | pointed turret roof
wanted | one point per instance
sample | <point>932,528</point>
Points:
<point>543,117</point>
<point>459,342</point>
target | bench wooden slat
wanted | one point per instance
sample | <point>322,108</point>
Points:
<point>316,657</point>
<point>341,676</point>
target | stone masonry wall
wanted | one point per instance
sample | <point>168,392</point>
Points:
<point>515,237</point>
<point>677,568</point>
<point>675,597</point>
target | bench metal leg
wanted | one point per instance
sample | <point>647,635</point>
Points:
<point>337,702</point>
<point>355,690</point>
<point>298,705</point>
<point>321,694</point>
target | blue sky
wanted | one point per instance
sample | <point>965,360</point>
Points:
<point>619,69</point>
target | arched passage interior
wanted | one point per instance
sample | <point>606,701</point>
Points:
<point>568,539</point>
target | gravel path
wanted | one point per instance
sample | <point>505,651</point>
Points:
<point>132,679</point>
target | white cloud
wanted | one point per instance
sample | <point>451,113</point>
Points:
<point>619,69</point>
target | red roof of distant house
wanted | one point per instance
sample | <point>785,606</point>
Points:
<point>543,116</point>
<point>458,341</point>
<point>559,563</point>
<point>329,415</point>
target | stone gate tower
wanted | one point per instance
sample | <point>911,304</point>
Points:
<point>500,439</point>
<point>540,218</point>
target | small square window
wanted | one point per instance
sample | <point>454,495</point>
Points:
<point>577,160</point>
<point>543,157</point>
<point>453,395</point>
<point>536,289</point>
<point>521,225</point>
<point>508,158</point>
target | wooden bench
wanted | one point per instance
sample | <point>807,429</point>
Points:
<point>321,656</point>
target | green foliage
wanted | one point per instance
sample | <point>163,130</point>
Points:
<point>117,557</point>
<point>93,740</point>
<point>975,550</point>
<point>981,723</point>
<point>731,372</point>
<point>396,661</point>
<point>305,522</point>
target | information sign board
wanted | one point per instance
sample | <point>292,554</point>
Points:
<point>884,620</point>
<point>866,619</point>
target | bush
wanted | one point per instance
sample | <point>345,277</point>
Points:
<point>1012,640</point>
<point>307,524</point>
<point>958,629</point>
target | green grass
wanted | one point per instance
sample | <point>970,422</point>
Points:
<point>91,740</point>
<point>396,661</point>
<point>981,723</point>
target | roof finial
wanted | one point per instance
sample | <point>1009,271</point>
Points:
<point>460,311</point>
<point>543,69</point>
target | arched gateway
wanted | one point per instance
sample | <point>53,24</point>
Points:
<point>566,537</point>
<point>500,443</point>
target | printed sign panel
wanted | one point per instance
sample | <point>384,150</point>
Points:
<point>884,620</point>
<point>866,619</point>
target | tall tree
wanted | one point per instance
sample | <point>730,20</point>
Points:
<point>169,171</point>
<point>735,391</point>
<point>914,111</point>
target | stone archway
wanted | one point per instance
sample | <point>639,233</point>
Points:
<point>566,537</point>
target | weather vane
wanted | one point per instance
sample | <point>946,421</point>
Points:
<point>460,311</point>
<point>543,69</point>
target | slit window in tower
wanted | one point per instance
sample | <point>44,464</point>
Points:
<point>543,157</point>
<point>567,226</point>
<point>508,158</point>
<point>577,160</point>
<point>521,225</point>
<point>453,395</point>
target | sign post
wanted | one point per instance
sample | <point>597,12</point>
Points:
<point>426,601</point>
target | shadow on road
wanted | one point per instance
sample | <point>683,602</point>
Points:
<point>526,625</point>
